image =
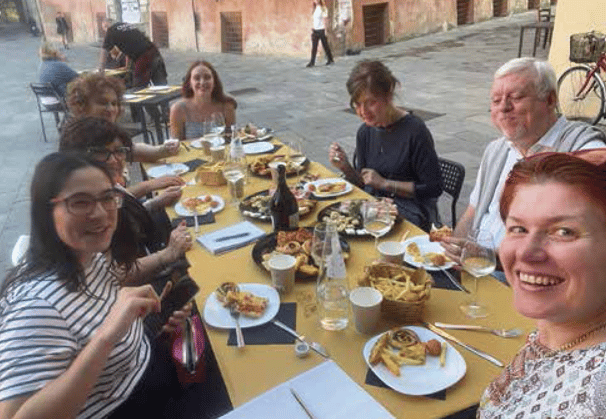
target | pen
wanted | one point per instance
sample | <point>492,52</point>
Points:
<point>235,236</point>
<point>298,399</point>
<point>185,146</point>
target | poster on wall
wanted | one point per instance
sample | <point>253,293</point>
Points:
<point>131,13</point>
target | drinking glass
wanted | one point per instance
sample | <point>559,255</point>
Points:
<point>218,121</point>
<point>234,172</point>
<point>318,251</point>
<point>478,258</point>
<point>376,217</point>
<point>295,154</point>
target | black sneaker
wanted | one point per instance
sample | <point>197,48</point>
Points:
<point>330,62</point>
<point>310,64</point>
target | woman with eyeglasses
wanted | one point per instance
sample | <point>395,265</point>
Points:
<point>395,151</point>
<point>73,341</point>
<point>145,225</point>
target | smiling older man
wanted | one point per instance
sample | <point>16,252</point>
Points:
<point>523,107</point>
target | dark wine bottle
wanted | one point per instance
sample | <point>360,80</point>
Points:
<point>283,205</point>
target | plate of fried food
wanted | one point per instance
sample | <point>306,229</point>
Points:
<point>423,253</point>
<point>199,204</point>
<point>329,187</point>
<point>169,169</point>
<point>257,304</point>
<point>413,360</point>
<point>252,133</point>
<point>296,243</point>
<point>262,165</point>
<point>257,205</point>
<point>348,217</point>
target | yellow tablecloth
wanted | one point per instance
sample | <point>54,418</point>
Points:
<point>257,368</point>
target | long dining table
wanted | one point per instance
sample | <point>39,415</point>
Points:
<point>250,371</point>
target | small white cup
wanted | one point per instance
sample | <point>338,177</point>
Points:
<point>366,307</point>
<point>217,153</point>
<point>392,252</point>
<point>282,268</point>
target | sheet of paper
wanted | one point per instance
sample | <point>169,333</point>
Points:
<point>327,392</point>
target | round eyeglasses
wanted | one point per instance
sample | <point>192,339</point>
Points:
<point>81,204</point>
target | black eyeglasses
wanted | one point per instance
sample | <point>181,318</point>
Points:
<point>81,204</point>
<point>103,154</point>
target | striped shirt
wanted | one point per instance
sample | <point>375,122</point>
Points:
<point>43,328</point>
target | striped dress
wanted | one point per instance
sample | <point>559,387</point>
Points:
<point>43,328</point>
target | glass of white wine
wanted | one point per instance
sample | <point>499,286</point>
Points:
<point>376,217</point>
<point>479,259</point>
<point>234,171</point>
<point>295,155</point>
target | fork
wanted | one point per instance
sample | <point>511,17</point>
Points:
<point>236,316</point>
<point>504,333</point>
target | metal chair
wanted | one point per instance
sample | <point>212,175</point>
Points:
<point>48,99</point>
<point>453,175</point>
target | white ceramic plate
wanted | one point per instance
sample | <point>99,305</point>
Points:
<point>174,169</point>
<point>218,316</point>
<point>198,143</point>
<point>418,380</point>
<point>181,210</point>
<point>128,96</point>
<point>320,182</point>
<point>425,246</point>
<point>157,88</point>
<point>258,147</point>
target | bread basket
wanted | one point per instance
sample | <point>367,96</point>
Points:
<point>404,290</point>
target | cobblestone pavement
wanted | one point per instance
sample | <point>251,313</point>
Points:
<point>445,79</point>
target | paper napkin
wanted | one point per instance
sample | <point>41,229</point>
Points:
<point>230,238</point>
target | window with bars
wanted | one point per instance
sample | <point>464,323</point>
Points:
<point>231,32</point>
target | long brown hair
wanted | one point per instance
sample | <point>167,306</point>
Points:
<point>217,94</point>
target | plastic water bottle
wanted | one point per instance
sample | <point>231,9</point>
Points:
<point>332,290</point>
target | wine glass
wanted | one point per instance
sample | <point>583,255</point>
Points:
<point>318,251</point>
<point>295,154</point>
<point>218,122</point>
<point>234,171</point>
<point>376,217</point>
<point>478,258</point>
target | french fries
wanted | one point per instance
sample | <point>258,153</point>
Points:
<point>393,350</point>
<point>398,283</point>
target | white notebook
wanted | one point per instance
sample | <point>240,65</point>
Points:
<point>326,390</point>
<point>230,238</point>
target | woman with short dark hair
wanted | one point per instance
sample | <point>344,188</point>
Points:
<point>394,149</point>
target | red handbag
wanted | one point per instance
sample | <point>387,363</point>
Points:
<point>188,351</point>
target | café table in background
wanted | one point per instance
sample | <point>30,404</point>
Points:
<point>251,371</point>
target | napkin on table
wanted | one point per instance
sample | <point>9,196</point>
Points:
<point>206,218</point>
<point>211,241</point>
<point>373,380</point>
<point>194,164</point>
<point>268,333</point>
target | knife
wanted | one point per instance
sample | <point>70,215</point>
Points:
<point>234,236</point>
<point>301,338</point>
<point>470,348</point>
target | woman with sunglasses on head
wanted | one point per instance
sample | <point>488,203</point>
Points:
<point>148,226</point>
<point>394,149</point>
<point>73,341</point>
<point>554,257</point>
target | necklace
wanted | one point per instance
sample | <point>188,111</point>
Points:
<point>578,340</point>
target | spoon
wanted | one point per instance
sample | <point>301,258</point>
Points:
<point>504,333</point>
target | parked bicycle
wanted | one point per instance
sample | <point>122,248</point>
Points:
<point>581,88</point>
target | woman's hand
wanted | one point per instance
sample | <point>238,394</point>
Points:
<point>131,304</point>
<point>372,178</point>
<point>166,182</point>
<point>171,148</point>
<point>453,247</point>
<point>180,241</point>
<point>178,319</point>
<point>337,157</point>
<point>167,197</point>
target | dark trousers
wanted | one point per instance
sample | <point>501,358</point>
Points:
<point>319,35</point>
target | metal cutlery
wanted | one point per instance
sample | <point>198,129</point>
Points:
<point>451,278</point>
<point>313,345</point>
<point>470,348</point>
<point>196,225</point>
<point>504,333</point>
<point>235,314</point>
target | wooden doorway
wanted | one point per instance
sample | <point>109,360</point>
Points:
<point>464,12</point>
<point>231,32</point>
<point>499,8</point>
<point>375,27</point>
<point>159,27</point>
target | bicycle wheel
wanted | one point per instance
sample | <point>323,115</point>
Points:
<point>579,102</point>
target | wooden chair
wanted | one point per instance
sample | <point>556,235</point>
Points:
<point>453,175</point>
<point>48,99</point>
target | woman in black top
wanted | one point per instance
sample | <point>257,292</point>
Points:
<point>394,149</point>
